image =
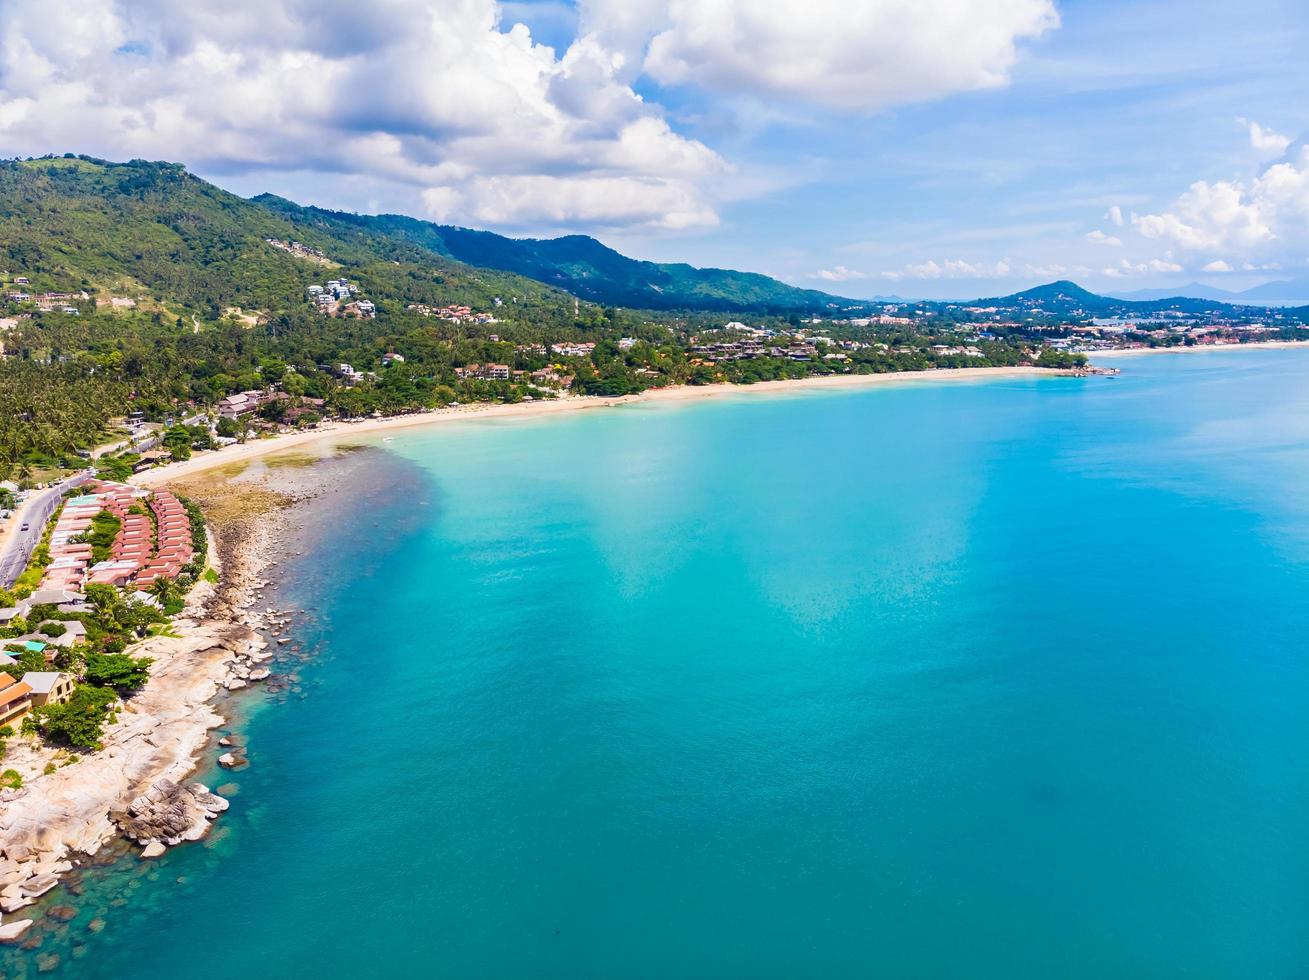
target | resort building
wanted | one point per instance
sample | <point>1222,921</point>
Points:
<point>142,551</point>
<point>15,701</point>
<point>48,686</point>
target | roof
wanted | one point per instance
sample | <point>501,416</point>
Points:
<point>54,597</point>
<point>42,681</point>
<point>11,690</point>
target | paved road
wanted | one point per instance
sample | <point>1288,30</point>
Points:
<point>35,513</point>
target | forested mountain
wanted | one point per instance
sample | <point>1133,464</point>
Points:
<point>581,265</point>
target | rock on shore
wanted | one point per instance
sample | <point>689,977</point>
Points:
<point>169,813</point>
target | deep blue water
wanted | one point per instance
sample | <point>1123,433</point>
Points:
<point>1003,679</point>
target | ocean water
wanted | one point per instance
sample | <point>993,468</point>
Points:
<point>1001,679</point>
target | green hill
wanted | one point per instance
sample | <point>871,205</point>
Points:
<point>74,223</point>
<point>1067,299</point>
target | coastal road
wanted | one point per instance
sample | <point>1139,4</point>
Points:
<point>35,513</point>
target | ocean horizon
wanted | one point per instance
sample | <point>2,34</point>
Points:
<point>1004,678</point>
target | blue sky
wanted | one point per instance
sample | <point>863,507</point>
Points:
<point>947,148</point>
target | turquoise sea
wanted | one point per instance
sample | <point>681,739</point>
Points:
<point>1007,679</point>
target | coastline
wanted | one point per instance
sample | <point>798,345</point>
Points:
<point>137,794</point>
<point>240,454</point>
<point>138,787</point>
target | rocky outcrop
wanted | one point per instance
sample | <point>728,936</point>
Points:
<point>169,813</point>
<point>135,783</point>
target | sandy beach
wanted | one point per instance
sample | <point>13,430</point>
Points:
<point>339,431</point>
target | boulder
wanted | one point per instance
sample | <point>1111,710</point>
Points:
<point>153,850</point>
<point>228,761</point>
<point>11,932</point>
<point>169,813</point>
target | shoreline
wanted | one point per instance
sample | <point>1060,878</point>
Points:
<point>140,789</point>
<point>137,794</point>
<point>242,453</point>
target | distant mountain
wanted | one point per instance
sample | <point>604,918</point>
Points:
<point>1288,292</point>
<point>579,264</point>
<point>1066,298</point>
<point>1194,290</point>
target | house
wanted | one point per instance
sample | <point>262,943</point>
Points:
<point>390,357</point>
<point>15,700</point>
<point>234,406</point>
<point>497,372</point>
<point>22,281</point>
<point>48,686</point>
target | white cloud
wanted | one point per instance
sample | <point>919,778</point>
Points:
<point>1265,140</point>
<point>1218,265</point>
<point>1053,271</point>
<point>442,101</point>
<point>838,274</point>
<point>952,269</point>
<point>1125,269</point>
<point>860,55</point>
<point>1115,215</point>
<point>1269,210</point>
<point>1098,237</point>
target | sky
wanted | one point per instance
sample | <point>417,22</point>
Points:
<point>924,148</point>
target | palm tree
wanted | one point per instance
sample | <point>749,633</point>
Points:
<point>164,589</point>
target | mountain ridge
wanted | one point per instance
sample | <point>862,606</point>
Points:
<point>584,266</point>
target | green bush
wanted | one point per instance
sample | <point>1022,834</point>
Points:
<point>78,722</point>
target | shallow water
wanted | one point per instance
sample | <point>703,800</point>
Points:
<point>1000,679</point>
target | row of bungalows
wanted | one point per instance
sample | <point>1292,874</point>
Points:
<point>174,550</point>
<point>70,558</point>
<point>132,544</point>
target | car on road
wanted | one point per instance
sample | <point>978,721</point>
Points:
<point>26,527</point>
